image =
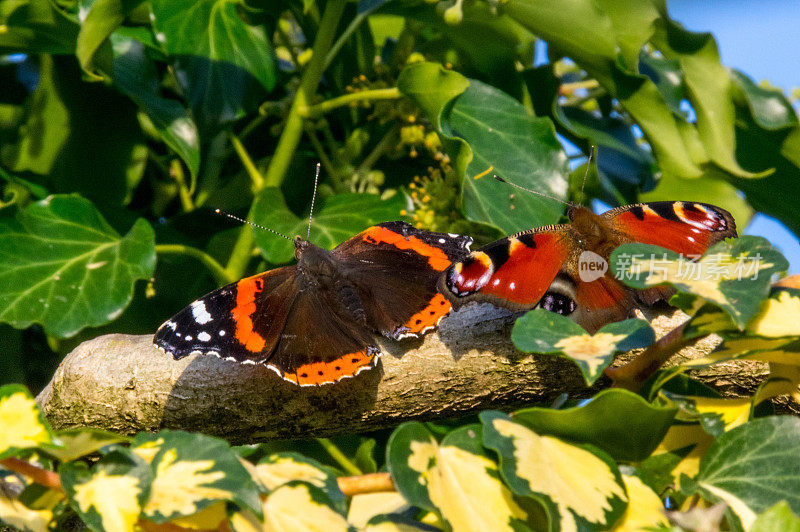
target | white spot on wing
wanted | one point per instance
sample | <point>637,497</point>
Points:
<point>204,336</point>
<point>200,313</point>
<point>442,240</point>
<point>188,338</point>
<point>222,332</point>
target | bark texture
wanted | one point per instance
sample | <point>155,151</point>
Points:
<point>123,383</point>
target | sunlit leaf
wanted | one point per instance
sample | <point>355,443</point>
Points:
<point>364,507</point>
<point>338,218</point>
<point>453,478</point>
<point>192,472</point>
<point>545,332</point>
<point>78,442</point>
<point>716,414</point>
<point>278,469</point>
<point>617,421</point>
<point>110,495</point>
<point>779,517</point>
<point>15,514</point>
<point>645,509</point>
<point>62,265</point>
<point>23,425</point>
<point>734,276</point>
<point>224,64</point>
<point>507,141</point>
<point>544,467</point>
<point>293,506</point>
<point>753,467</point>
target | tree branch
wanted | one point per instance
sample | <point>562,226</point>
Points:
<point>123,383</point>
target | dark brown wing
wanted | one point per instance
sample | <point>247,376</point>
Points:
<point>395,268</point>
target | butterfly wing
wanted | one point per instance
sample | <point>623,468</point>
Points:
<point>241,321</point>
<point>513,272</point>
<point>684,227</point>
<point>394,268</point>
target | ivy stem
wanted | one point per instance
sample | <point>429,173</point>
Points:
<point>293,129</point>
<point>247,162</point>
<point>176,171</point>
<point>43,477</point>
<point>392,93</point>
<point>347,465</point>
<point>220,275</point>
<point>369,483</point>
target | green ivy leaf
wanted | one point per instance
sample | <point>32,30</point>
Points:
<point>224,64</point>
<point>63,266</point>
<point>522,149</point>
<point>734,275</point>
<point>541,331</point>
<point>135,74</point>
<point>78,442</point>
<point>543,467</point>
<point>619,422</point>
<point>338,218</point>
<point>753,467</point>
<point>769,107</point>
<point>36,27</point>
<point>103,18</point>
<point>779,517</point>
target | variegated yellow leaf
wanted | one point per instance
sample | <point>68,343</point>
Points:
<point>114,497</point>
<point>592,350</point>
<point>777,317</point>
<point>466,489</point>
<point>21,427</point>
<point>209,518</point>
<point>745,514</point>
<point>148,450</point>
<point>574,479</point>
<point>285,469</point>
<point>367,505</point>
<point>734,412</point>
<point>645,510</point>
<point>681,437</point>
<point>179,486</point>
<point>292,507</point>
<point>15,514</point>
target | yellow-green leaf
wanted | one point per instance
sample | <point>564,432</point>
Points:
<point>299,506</point>
<point>21,421</point>
<point>645,509</point>
<point>544,467</point>
<point>114,497</point>
<point>15,514</point>
<point>365,506</point>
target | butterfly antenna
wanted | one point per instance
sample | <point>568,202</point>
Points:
<point>313,197</point>
<point>223,213</point>
<point>586,173</point>
<point>529,190</point>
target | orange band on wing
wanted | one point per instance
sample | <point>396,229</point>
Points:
<point>242,313</point>
<point>317,373</point>
<point>429,316</point>
<point>436,257</point>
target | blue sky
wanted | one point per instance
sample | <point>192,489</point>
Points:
<point>762,39</point>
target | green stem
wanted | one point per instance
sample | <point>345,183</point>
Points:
<point>219,273</point>
<point>247,162</point>
<point>176,171</point>
<point>293,130</point>
<point>323,157</point>
<point>347,465</point>
<point>380,148</point>
<point>354,24</point>
<point>392,93</point>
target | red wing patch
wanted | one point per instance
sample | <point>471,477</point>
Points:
<point>437,258</point>
<point>318,373</point>
<point>513,272</point>
<point>604,292</point>
<point>683,227</point>
<point>246,291</point>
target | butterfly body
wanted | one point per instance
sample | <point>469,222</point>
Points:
<point>314,322</point>
<point>564,268</point>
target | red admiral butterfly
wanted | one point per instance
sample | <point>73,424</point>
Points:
<point>313,323</point>
<point>541,266</point>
